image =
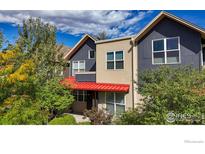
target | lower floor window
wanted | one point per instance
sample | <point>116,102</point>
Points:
<point>80,95</point>
<point>115,103</point>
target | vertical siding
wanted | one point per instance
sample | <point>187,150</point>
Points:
<point>82,54</point>
<point>190,44</point>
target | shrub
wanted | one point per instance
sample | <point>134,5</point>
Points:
<point>98,116</point>
<point>170,96</point>
<point>22,110</point>
<point>64,120</point>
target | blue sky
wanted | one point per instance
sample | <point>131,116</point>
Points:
<point>72,25</point>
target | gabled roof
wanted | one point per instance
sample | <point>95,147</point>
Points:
<point>161,16</point>
<point>78,45</point>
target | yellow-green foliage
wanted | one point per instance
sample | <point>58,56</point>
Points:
<point>23,72</point>
<point>12,74</point>
<point>6,56</point>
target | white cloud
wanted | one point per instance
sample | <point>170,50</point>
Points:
<point>79,22</point>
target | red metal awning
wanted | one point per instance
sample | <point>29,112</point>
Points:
<point>93,86</point>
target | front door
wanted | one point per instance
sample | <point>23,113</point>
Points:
<point>90,95</point>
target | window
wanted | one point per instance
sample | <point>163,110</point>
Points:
<point>78,66</point>
<point>80,95</point>
<point>110,60</point>
<point>115,60</point>
<point>91,54</point>
<point>115,103</point>
<point>166,51</point>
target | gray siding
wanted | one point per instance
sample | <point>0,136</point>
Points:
<point>82,54</point>
<point>190,44</point>
<point>86,77</point>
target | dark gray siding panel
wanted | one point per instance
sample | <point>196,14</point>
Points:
<point>86,77</point>
<point>190,44</point>
<point>82,54</point>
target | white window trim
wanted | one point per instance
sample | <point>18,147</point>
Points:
<point>78,61</point>
<point>165,51</point>
<point>89,54</point>
<point>114,103</point>
<point>114,60</point>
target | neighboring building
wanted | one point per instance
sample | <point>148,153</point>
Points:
<point>103,73</point>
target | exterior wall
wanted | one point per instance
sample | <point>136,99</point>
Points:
<point>190,44</point>
<point>79,107</point>
<point>86,77</point>
<point>123,76</point>
<point>82,54</point>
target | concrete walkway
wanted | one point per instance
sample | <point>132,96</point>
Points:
<point>79,118</point>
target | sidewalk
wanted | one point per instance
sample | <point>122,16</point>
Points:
<point>79,118</point>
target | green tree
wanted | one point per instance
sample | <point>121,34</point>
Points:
<point>28,77</point>
<point>21,110</point>
<point>55,98</point>
<point>38,40</point>
<point>179,91</point>
<point>1,40</point>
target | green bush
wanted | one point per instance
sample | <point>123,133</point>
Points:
<point>64,120</point>
<point>170,96</point>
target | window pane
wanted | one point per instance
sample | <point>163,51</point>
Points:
<point>119,98</point>
<point>119,64</point>
<point>110,108</point>
<point>158,45</point>
<point>85,97</point>
<point>74,72</point>
<point>92,54</point>
<point>120,109</point>
<point>75,65</point>
<point>110,65</point>
<point>172,43</point>
<point>110,97</point>
<point>82,65</point>
<point>82,70</point>
<point>173,56</point>
<point>75,95</point>
<point>80,98</point>
<point>159,58</point>
<point>119,55</point>
<point>110,56</point>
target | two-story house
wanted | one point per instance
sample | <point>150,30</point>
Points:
<point>104,73</point>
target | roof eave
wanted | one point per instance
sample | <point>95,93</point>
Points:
<point>82,40</point>
<point>159,17</point>
<point>113,40</point>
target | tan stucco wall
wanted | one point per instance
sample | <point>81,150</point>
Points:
<point>123,76</point>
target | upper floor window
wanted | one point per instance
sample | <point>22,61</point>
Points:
<point>166,51</point>
<point>91,54</point>
<point>115,60</point>
<point>78,66</point>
